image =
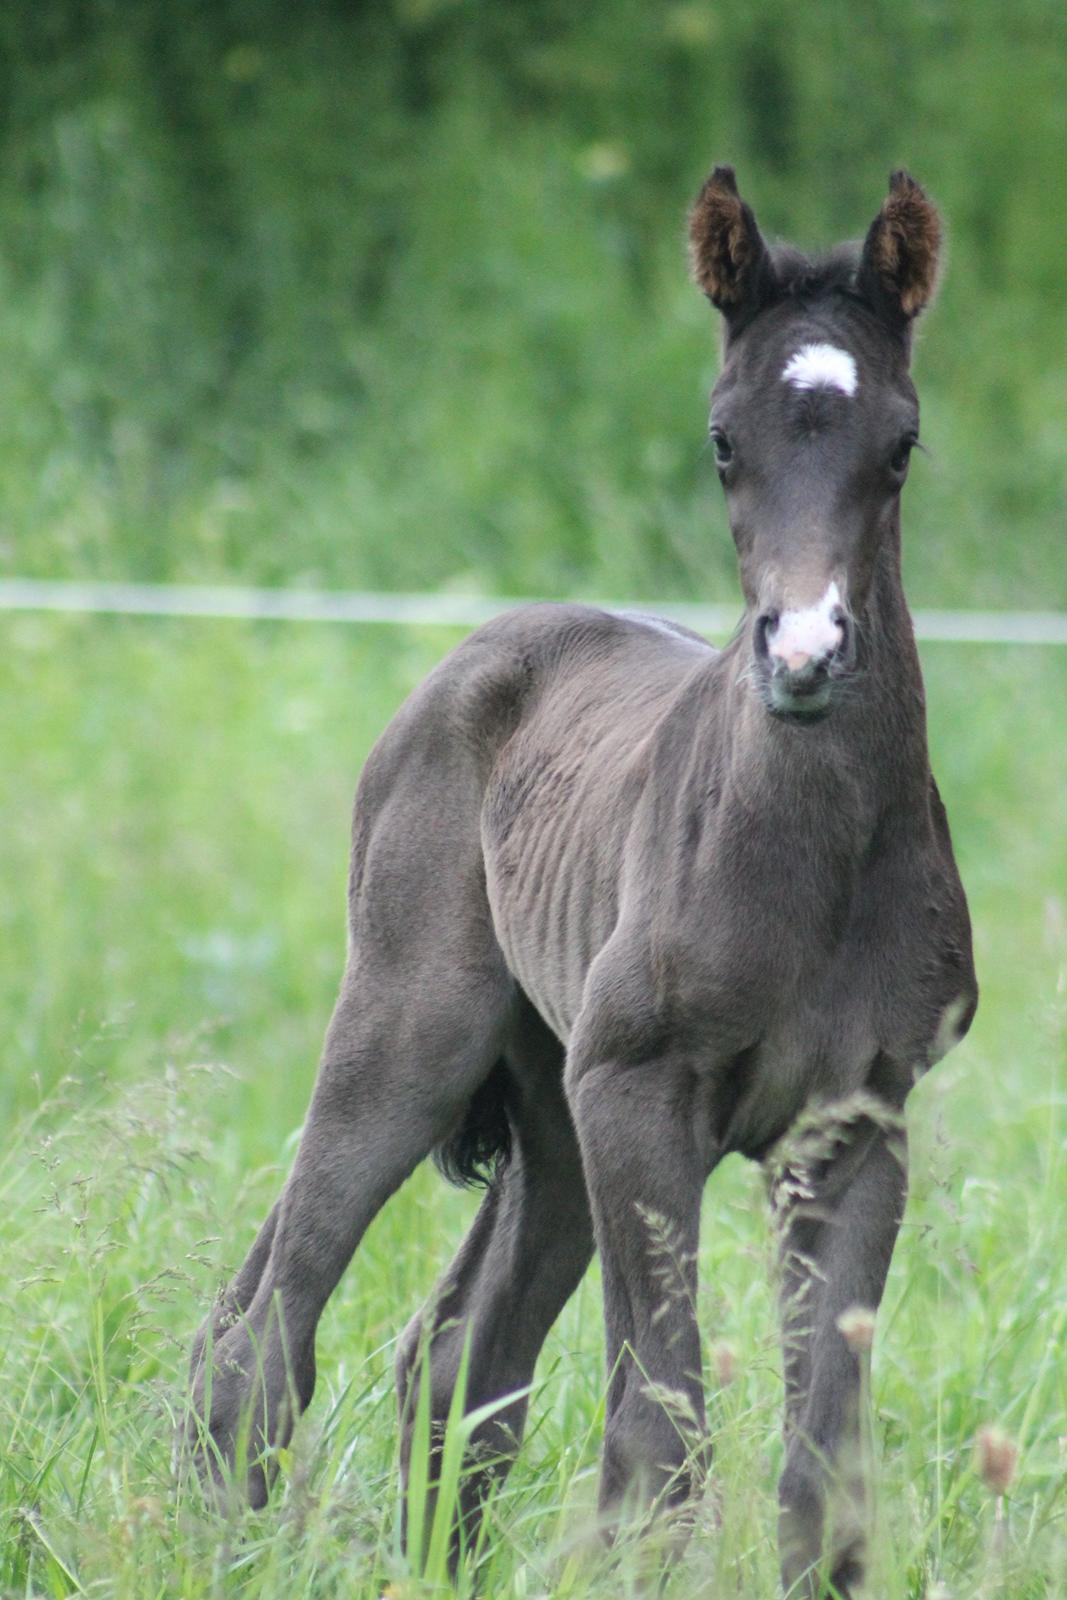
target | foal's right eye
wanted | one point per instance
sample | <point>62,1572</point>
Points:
<point>724,450</point>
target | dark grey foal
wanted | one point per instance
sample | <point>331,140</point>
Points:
<point>621,904</point>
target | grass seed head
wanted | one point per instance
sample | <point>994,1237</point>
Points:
<point>996,1458</point>
<point>856,1326</point>
<point>725,1358</point>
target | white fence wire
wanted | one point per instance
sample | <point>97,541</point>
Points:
<point>452,610</point>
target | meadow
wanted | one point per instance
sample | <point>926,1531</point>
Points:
<point>176,814</point>
<point>392,295</point>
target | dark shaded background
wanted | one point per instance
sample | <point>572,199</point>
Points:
<point>393,294</point>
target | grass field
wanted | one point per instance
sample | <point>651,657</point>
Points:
<point>175,813</point>
<point>393,294</point>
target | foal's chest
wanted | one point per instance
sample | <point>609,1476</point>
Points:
<point>889,1000</point>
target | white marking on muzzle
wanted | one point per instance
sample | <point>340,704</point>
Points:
<point>808,634</point>
<point>822,366</point>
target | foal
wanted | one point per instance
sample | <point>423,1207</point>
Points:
<point>621,904</point>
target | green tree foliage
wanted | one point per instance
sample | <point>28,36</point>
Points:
<point>394,293</point>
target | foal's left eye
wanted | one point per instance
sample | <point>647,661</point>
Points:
<point>898,462</point>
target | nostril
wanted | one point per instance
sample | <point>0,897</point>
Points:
<point>766,623</point>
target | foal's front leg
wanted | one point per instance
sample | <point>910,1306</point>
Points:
<point>839,1198</point>
<point>645,1178</point>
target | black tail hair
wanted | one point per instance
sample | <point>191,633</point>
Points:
<point>480,1148</point>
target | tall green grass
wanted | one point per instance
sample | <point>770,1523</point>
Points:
<point>176,813</point>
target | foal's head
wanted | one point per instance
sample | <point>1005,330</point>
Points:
<point>813,420</point>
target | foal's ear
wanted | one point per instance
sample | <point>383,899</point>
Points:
<point>898,267</point>
<point>727,255</point>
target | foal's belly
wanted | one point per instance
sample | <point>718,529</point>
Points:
<point>550,926</point>
<point>553,873</point>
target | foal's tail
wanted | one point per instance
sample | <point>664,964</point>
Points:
<point>480,1148</point>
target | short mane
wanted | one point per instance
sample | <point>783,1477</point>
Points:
<point>803,277</point>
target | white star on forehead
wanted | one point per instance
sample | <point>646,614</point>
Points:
<point>821,366</point>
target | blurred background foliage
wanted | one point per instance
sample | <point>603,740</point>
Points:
<point>393,293</point>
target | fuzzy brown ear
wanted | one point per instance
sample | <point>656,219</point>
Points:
<point>727,255</point>
<point>898,267</point>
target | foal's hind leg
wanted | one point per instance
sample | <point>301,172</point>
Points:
<point>423,1011</point>
<point>238,1295</point>
<point>523,1257</point>
<point>370,1122</point>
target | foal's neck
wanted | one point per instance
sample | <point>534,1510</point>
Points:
<point>870,753</point>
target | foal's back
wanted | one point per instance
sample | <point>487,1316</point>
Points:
<point>505,788</point>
